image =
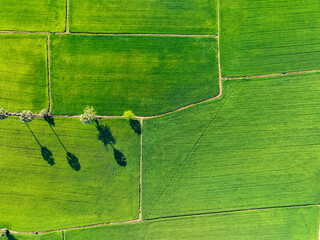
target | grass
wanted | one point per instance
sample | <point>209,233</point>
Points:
<point>281,224</point>
<point>155,16</point>
<point>258,146</point>
<point>35,15</point>
<point>23,74</point>
<point>51,181</point>
<point>148,75</point>
<point>261,37</point>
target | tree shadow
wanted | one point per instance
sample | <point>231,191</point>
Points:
<point>135,125</point>
<point>50,121</point>
<point>47,155</point>
<point>119,157</point>
<point>73,161</point>
<point>104,134</point>
<point>45,152</point>
<point>10,236</point>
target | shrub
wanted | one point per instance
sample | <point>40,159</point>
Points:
<point>44,113</point>
<point>88,116</point>
<point>128,115</point>
<point>26,116</point>
<point>3,114</point>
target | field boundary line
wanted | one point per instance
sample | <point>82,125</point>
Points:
<point>67,16</point>
<point>271,75</point>
<point>159,218</point>
<point>48,73</point>
<point>140,171</point>
<point>67,32</point>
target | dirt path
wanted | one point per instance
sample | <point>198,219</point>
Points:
<point>140,172</point>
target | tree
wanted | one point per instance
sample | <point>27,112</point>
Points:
<point>26,116</point>
<point>3,114</point>
<point>44,113</point>
<point>88,115</point>
<point>128,115</point>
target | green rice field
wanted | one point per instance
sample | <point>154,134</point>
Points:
<point>277,224</point>
<point>149,75</point>
<point>61,175</point>
<point>155,16</point>
<point>233,153</point>
<point>224,138</point>
<point>23,72</point>
<point>261,37</point>
<point>33,15</point>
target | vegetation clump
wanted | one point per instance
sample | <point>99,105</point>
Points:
<point>128,115</point>
<point>3,114</point>
<point>45,113</point>
<point>88,116</point>
<point>26,116</point>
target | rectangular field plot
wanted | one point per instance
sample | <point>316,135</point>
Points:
<point>148,75</point>
<point>258,146</point>
<point>23,72</point>
<point>139,16</point>
<point>261,37</point>
<point>35,15</point>
<point>45,236</point>
<point>276,224</point>
<point>63,176</point>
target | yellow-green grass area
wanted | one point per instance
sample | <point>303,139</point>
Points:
<point>23,72</point>
<point>35,15</point>
<point>146,74</point>
<point>155,16</point>
<point>262,37</point>
<point>287,223</point>
<point>257,146</point>
<point>64,176</point>
<point>42,236</point>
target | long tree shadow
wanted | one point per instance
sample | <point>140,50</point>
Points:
<point>72,159</point>
<point>45,152</point>
<point>105,136</point>
<point>135,125</point>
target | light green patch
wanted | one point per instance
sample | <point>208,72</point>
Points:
<point>23,72</point>
<point>155,16</point>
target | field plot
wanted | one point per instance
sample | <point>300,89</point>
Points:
<point>155,16</point>
<point>35,15</point>
<point>261,37</point>
<point>258,146</point>
<point>63,176</point>
<point>47,236</point>
<point>148,75</point>
<point>281,224</point>
<point>23,74</point>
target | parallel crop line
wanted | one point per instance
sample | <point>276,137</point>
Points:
<point>140,172</point>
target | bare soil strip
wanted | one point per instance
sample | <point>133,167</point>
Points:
<point>107,34</point>
<point>67,16</point>
<point>140,173</point>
